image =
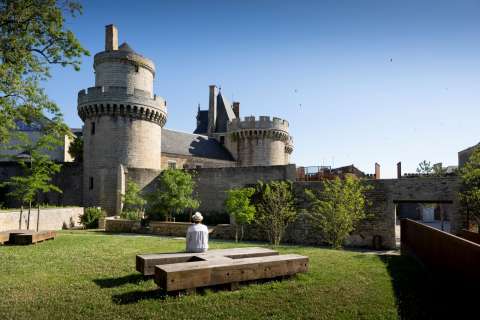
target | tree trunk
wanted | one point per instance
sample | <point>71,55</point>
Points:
<point>21,216</point>
<point>28,219</point>
<point>236,233</point>
<point>38,215</point>
<point>241,235</point>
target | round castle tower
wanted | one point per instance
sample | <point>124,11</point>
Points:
<point>260,142</point>
<point>123,122</point>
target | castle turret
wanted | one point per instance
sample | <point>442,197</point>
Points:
<point>123,122</point>
<point>260,142</point>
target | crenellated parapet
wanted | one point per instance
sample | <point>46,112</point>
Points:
<point>263,127</point>
<point>121,101</point>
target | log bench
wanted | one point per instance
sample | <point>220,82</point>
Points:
<point>185,276</point>
<point>145,263</point>
<point>30,237</point>
<point>187,271</point>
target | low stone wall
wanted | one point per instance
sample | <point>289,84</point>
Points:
<point>121,225</point>
<point>175,229</point>
<point>50,219</point>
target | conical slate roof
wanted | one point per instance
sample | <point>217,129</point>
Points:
<point>125,47</point>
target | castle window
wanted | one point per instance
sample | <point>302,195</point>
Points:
<point>90,183</point>
<point>198,166</point>
<point>172,164</point>
<point>222,139</point>
<point>92,129</point>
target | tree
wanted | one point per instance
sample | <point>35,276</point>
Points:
<point>239,206</point>
<point>424,168</point>
<point>173,194</point>
<point>133,202</point>
<point>275,206</point>
<point>38,170</point>
<point>470,186</point>
<point>32,38</point>
<point>76,149</point>
<point>337,210</point>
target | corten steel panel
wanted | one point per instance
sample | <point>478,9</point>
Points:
<point>444,254</point>
<point>470,236</point>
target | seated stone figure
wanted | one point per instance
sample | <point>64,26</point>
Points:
<point>197,235</point>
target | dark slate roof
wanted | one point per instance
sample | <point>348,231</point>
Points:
<point>196,145</point>
<point>125,47</point>
<point>202,122</point>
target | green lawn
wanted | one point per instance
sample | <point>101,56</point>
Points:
<point>91,275</point>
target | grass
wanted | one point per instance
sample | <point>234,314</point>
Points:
<point>87,275</point>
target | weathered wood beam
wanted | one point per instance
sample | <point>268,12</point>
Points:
<point>181,276</point>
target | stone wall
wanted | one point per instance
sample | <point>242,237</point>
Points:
<point>69,180</point>
<point>50,219</point>
<point>213,182</point>
<point>121,225</point>
<point>175,229</point>
<point>386,193</point>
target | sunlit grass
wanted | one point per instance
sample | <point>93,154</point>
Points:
<point>90,275</point>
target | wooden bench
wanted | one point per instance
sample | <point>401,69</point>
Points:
<point>145,263</point>
<point>30,237</point>
<point>4,237</point>
<point>190,275</point>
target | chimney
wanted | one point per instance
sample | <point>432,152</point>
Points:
<point>236,109</point>
<point>399,170</point>
<point>212,109</point>
<point>111,38</point>
<point>377,171</point>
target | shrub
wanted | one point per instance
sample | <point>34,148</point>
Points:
<point>470,188</point>
<point>274,202</point>
<point>89,218</point>
<point>239,206</point>
<point>174,194</point>
<point>133,202</point>
<point>130,215</point>
<point>338,209</point>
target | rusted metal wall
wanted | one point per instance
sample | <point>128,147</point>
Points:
<point>445,255</point>
<point>469,235</point>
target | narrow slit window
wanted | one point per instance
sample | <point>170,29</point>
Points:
<point>92,131</point>
<point>90,183</point>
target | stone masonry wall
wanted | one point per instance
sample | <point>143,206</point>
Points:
<point>50,219</point>
<point>213,182</point>
<point>69,180</point>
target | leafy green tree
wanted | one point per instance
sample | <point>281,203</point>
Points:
<point>133,202</point>
<point>76,149</point>
<point>425,167</point>
<point>89,218</point>
<point>239,206</point>
<point>337,210</point>
<point>173,194</point>
<point>275,206</point>
<point>470,187</point>
<point>32,38</point>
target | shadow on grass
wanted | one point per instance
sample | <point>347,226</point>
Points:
<point>136,296</point>
<point>421,294</point>
<point>120,281</point>
<point>411,287</point>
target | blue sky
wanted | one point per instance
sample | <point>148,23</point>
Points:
<point>359,81</point>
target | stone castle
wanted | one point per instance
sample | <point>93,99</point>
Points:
<point>124,129</point>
